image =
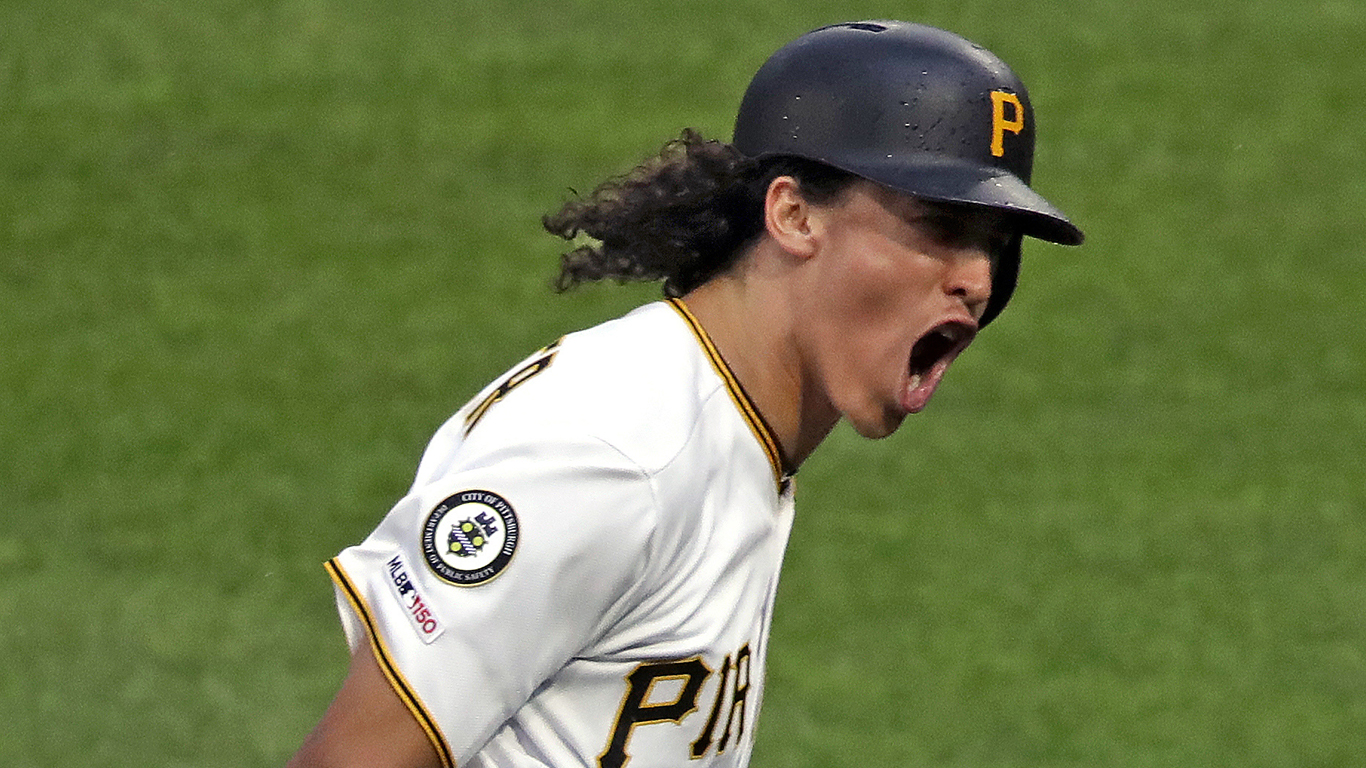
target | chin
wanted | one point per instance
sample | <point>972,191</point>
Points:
<point>876,429</point>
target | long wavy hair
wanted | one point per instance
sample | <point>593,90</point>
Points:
<point>682,216</point>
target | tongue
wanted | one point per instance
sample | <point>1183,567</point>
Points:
<point>920,387</point>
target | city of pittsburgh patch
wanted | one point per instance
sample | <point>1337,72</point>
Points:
<point>469,538</point>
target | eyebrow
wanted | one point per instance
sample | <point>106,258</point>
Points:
<point>962,209</point>
<point>973,216</point>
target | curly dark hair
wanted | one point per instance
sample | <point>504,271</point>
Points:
<point>682,216</point>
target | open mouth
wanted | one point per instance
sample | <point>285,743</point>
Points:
<point>930,359</point>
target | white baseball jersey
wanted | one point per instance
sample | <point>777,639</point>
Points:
<point>583,572</point>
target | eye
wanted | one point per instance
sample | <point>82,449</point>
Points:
<point>962,226</point>
<point>999,242</point>
<point>950,229</point>
<point>965,231</point>
<point>969,228</point>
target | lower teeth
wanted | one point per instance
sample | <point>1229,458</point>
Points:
<point>915,381</point>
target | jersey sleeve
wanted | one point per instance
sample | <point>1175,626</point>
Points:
<point>479,585</point>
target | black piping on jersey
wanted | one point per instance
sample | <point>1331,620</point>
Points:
<point>386,663</point>
<point>756,422</point>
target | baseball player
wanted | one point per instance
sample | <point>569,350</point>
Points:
<point>583,571</point>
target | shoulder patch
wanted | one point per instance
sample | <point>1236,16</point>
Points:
<point>470,537</point>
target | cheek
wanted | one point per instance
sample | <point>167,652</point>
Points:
<point>862,320</point>
<point>872,294</point>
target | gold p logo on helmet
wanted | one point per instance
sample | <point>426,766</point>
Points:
<point>999,123</point>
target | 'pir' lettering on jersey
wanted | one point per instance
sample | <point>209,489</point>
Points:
<point>640,705</point>
<point>544,358</point>
<point>417,608</point>
<point>470,537</point>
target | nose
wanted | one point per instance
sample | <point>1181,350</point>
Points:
<point>969,280</point>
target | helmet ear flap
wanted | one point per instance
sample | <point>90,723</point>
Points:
<point>1004,276</point>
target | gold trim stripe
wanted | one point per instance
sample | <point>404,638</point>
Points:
<point>756,422</point>
<point>386,662</point>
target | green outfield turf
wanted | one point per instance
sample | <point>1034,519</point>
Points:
<point>253,252</point>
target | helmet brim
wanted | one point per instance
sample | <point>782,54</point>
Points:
<point>953,181</point>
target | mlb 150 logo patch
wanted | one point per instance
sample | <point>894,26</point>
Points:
<point>470,537</point>
<point>417,608</point>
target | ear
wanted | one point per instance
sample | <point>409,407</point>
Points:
<point>788,217</point>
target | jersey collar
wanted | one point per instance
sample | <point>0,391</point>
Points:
<point>762,431</point>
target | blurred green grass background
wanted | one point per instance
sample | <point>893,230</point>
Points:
<point>253,252</point>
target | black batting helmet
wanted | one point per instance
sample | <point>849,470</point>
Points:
<point>911,107</point>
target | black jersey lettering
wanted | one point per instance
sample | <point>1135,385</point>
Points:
<point>519,377</point>
<point>638,709</point>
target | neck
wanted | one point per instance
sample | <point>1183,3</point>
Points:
<point>754,328</point>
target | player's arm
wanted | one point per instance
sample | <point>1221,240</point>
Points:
<point>366,725</point>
